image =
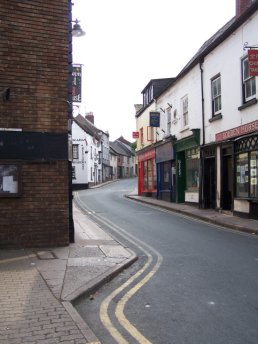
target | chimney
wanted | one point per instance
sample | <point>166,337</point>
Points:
<point>90,117</point>
<point>138,107</point>
<point>242,5</point>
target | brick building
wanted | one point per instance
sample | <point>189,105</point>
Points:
<point>35,56</point>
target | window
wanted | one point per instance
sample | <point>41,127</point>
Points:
<point>192,169</point>
<point>141,136</point>
<point>73,172</point>
<point>216,95</point>
<point>169,121</point>
<point>247,174</point>
<point>249,86</point>
<point>185,110</point>
<point>150,134</point>
<point>75,152</point>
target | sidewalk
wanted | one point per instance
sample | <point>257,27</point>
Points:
<point>209,215</point>
<point>37,286</point>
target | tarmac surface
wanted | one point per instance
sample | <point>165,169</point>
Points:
<point>38,286</point>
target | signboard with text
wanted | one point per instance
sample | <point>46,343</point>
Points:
<point>77,83</point>
<point>135,134</point>
<point>154,119</point>
<point>253,61</point>
<point>238,131</point>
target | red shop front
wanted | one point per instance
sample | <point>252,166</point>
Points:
<point>147,175</point>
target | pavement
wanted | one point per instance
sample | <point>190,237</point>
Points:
<point>38,286</point>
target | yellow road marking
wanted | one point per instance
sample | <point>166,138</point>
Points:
<point>104,317</point>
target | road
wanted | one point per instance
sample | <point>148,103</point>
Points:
<point>193,283</point>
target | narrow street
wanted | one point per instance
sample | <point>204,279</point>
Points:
<point>193,282</point>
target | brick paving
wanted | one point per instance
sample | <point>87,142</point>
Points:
<point>29,311</point>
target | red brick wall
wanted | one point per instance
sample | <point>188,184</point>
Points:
<point>34,64</point>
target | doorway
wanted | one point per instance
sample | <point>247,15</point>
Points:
<point>209,187</point>
<point>227,179</point>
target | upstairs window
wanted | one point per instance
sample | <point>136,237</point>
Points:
<point>185,110</point>
<point>169,121</point>
<point>75,152</point>
<point>216,95</point>
<point>150,134</point>
<point>249,86</point>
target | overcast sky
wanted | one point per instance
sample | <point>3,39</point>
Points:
<point>130,42</point>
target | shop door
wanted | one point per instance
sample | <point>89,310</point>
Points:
<point>209,187</point>
<point>227,182</point>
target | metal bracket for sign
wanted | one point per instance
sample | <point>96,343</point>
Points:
<point>246,46</point>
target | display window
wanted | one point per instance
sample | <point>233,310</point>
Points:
<point>192,169</point>
<point>149,175</point>
<point>247,174</point>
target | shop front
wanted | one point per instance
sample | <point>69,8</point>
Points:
<point>239,169</point>
<point>166,172</point>
<point>147,175</point>
<point>188,168</point>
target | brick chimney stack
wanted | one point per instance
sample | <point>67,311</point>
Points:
<point>90,117</point>
<point>242,5</point>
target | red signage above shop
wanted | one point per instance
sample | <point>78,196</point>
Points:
<point>253,61</point>
<point>147,155</point>
<point>135,134</point>
<point>238,131</point>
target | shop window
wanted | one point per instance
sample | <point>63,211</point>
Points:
<point>249,85</point>
<point>149,175</point>
<point>216,95</point>
<point>254,174</point>
<point>192,169</point>
<point>10,183</point>
<point>242,175</point>
<point>75,152</point>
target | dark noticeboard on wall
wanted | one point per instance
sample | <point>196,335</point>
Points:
<point>154,119</point>
<point>10,184</point>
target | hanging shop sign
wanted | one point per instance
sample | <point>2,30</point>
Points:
<point>77,83</point>
<point>253,61</point>
<point>154,119</point>
<point>135,134</point>
<point>238,131</point>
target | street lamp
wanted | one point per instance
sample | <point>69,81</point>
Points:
<point>77,31</point>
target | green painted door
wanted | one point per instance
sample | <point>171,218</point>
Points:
<point>181,177</point>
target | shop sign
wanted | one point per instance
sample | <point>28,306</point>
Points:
<point>77,83</point>
<point>164,152</point>
<point>147,155</point>
<point>253,61</point>
<point>238,131</point>
<point>135,134</point>
<point>154,119</point>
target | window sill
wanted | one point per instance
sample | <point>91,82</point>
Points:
<point>184,129</point>
<point>247,104</point>
<point>215,118</point>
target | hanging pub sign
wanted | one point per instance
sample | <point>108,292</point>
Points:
<point>154,119</point>
<point>253,62</point>
<point>77,83</point>
<point>135,134</point>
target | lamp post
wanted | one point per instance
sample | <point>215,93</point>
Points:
<point>74,31</point>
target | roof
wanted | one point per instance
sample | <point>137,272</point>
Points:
<point>220,36</point>
<point>120,150</point>
<point>87,126</point>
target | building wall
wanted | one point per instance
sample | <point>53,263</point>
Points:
<point>34,54</point>
<point>143,122</point>
<point>81,165</point>
<point>226,60</point>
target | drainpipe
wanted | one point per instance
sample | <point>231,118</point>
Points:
<point>201,188</point>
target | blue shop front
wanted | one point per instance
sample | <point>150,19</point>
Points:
<point>166,171</point>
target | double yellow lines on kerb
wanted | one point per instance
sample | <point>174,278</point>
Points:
<point>146,276</point>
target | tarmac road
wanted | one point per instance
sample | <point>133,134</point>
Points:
<point>194,282</point>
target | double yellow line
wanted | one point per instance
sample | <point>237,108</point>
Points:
<point>146,276</point>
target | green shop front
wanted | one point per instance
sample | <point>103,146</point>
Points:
<point>187,152</point>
